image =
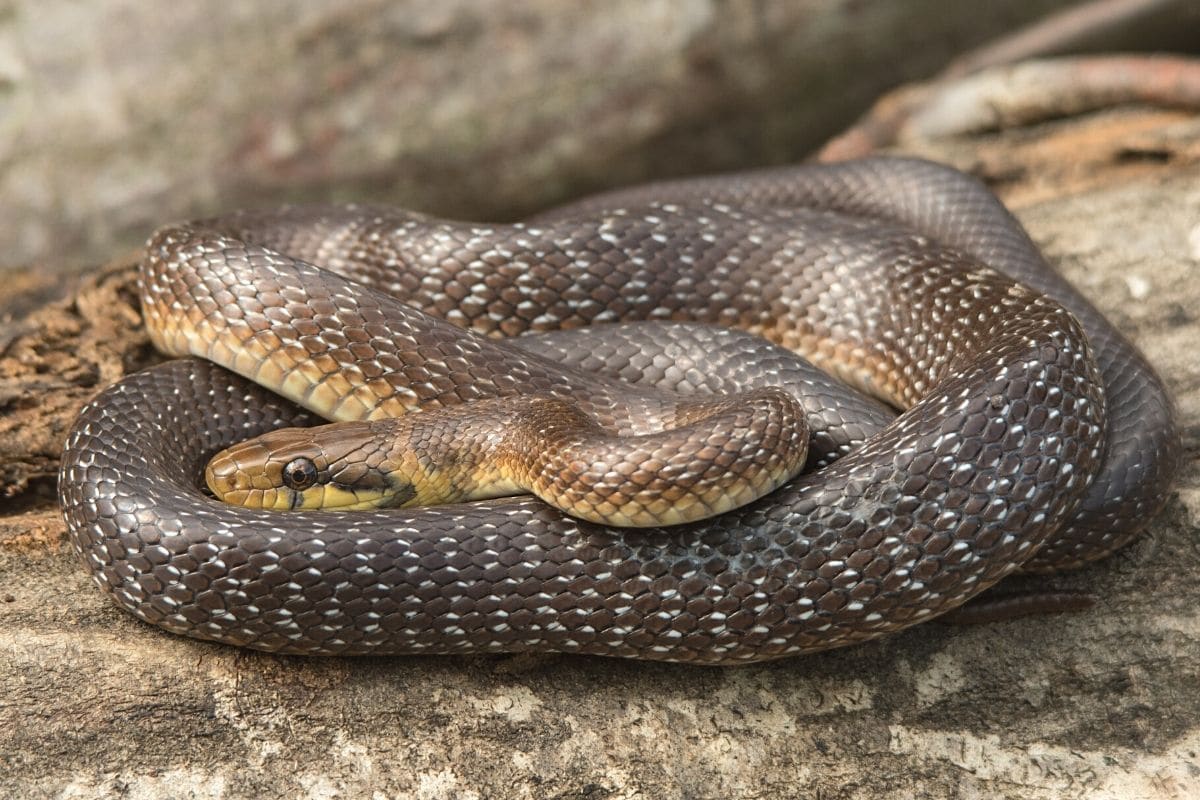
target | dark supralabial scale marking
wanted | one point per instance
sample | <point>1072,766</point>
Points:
<point>880,270</point>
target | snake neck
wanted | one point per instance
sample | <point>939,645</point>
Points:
<point>714,455</point>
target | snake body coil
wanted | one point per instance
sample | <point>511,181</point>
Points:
<point>1033,436</point>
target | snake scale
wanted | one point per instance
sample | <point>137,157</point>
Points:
<point>1033,436</point>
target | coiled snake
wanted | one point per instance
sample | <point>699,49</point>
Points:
<point>1032,438</point>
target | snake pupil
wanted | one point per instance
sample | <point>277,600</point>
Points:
<point>300,473</point>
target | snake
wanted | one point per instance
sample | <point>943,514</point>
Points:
<point>1004,426</point>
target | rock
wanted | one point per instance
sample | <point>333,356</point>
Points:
<point>118,117</point>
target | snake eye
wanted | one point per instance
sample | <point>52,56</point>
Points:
<point>300,473</point>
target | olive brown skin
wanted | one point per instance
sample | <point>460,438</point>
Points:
<point>1033,437</point>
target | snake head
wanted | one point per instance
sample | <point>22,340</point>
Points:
<point>338,466</point>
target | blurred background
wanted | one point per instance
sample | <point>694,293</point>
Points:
<point>117,116</point>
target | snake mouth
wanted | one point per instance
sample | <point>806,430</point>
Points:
<point>335,496</point>
<point>329,497</point>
